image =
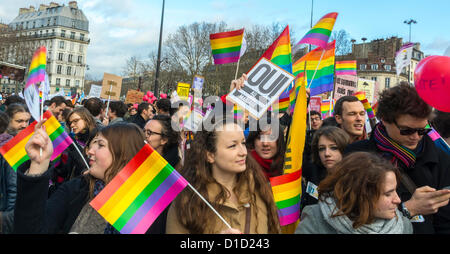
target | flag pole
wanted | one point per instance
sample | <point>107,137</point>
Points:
<point>42,113</point>
<point>237,68</point>
<point>79,152</point>
<point>318,64</point>
<point>209,205</point>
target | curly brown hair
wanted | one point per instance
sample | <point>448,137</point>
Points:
<point>356,186</point>
<point>401,100</point>
<point>195,215</point>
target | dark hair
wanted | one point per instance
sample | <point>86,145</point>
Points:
<point>442,123</point>
<point>356,186</point>
<point>335,134</point>
<point>142,106</point>
<point>313,113</point>
<point>339,106</point>
<point>4,121</point>
<point>164,105</point>
<point>173,137</point>
<point>401,100</point>
<point>14,99</point>
<point>329,121</point>
<point>58,100</point>
<point>69,103</point>
<point>15,108</point>
<point>118,107</point>
<point>94,105</point>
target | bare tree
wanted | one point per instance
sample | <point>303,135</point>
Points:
<point>343,42</point>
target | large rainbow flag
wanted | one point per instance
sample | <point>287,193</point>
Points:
<point>287,188</point>
<point>346,68</point>
<point>14,151</point>
<point>139,192</point>
<point>320,33</point>
<point>324,63</point>
<point>226,46</point>
<point>280,54</point>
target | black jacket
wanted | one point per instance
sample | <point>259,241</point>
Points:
<point>139,121</point>
<point>432,168</point>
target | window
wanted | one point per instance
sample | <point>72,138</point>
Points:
<point>81,48</point>
<point>63,33</point>
<point>59,69</point>
<point>60,56</point>
<point>69,70</point>
<point>374,67</point>
<point>70,58</point>
<point>80,59</point>
<point>77,83</point>
<point>61,44</point>
<point>387,83</point>
<point>362,67</point>
<point>387,67</point>
<point>58,81</point>
<point>81,37</point>
<point>67,82</point>
<point>72,35</point>
<point>374,78</point>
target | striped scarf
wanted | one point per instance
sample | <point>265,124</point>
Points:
<point>388,145</point>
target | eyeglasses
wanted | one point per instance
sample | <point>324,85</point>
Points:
<point>410,131</point>
<point>149,133</point>
<point>75,121</point>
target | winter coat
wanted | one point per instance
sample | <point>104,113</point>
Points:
<point>432,168</point>
<point>138,120</point>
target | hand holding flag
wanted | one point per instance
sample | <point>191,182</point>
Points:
<point>40,149</point>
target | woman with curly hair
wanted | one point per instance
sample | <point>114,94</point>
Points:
<point>218,166</point>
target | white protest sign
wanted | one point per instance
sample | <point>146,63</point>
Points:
<point>95,91</point>
<point>266,81</point>
<point>198,82</point>
<point>194,120</point>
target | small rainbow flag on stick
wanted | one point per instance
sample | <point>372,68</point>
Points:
<point>362,97</point>
<point>320,33</point>
<point>346,68</point>
<point>133,200</point>
<point>14,151</point>
<point>438,140</point>
<point>226,46</point>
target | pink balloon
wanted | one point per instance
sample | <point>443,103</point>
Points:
<point>145,98</point>
<point>148,93</point>
<point>136,106</point>
<point>432,81</point>
<point>163,96</point>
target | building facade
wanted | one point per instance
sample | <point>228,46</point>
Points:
<point>64,31</point>
<point>376,61</point>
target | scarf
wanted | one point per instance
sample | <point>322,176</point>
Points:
<point>264,163</point>
<point>399,153</point>
<point>343,225</point>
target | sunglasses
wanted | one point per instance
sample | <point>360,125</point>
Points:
<point>411,131</point>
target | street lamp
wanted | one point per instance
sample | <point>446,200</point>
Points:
<point>410,22</point>
<point>158,62</point>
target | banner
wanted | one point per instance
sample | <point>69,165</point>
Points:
<point>266,81</point>
<point>345,85</point>
<point>111,86</point>
<point>367,86</point>
<point>403,57</point>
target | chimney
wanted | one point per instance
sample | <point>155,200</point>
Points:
<point>32,8</point>
<point>73,4</point>
<point>43,7</point>
<point>53,4</point>
<point>23,10</point>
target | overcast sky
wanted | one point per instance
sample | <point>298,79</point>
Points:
<point>120,29</point>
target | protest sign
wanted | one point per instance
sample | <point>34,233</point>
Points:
<point>315,102</point>
<point>345,85</point>
<point>194,120</point>
<point>367,86</point>
<point>111,87</point>
<point>266,81</point>
<point>183,91</point>
<point>198,82</point>
<point>95,91</point>
<point>134,96</point>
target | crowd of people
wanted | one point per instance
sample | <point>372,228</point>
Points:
<point>391,180</point>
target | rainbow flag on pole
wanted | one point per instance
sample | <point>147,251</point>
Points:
<point>36,74</point>
<point>139,192</point>
<point>320,33</point>
<point>438,140</point>
<point>14,151</point>
<point>362,97</point>
<point>280,54</point>
<point>226,46</point>
<point>346,68</point>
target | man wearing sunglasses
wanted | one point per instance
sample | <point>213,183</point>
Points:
<point>401,137</point>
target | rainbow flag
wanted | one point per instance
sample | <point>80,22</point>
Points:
<point>38,64</point>
<point>346,68</point>
<point>226,46</point>
<point>320,33</point>
<point>237,112</point>
<point>14,151</point>
<point>326,107</point>
<point>287,188</point>
<point>139,192</point>
<point>280,54</point>
<point>324,63</point>
<point>438,140</point>
<point>362,97</point>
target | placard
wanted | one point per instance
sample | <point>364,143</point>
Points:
<point>194,120</point>
<point>315,103</point>
<point>134,96</point>
<point>367,86</point>
<point>111,86</point>
<point>266,81</point>
<point>95,91</point>
<point>345,85</point>
<point>183,91</point>
<point>198,82</point>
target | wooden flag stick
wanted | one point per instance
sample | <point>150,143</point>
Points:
<point>318,64</point>
<point>237,69</point>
